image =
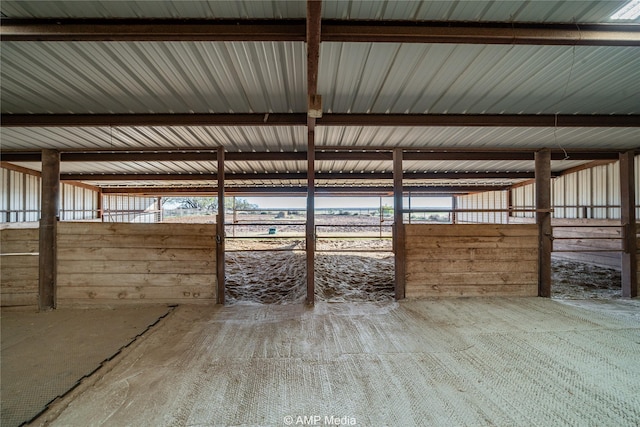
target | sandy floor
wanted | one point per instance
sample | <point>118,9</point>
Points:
<point>460,362</point>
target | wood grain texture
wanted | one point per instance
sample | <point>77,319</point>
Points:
<point>19,265</point>
<point>113,263</point>
<point>471,260</point>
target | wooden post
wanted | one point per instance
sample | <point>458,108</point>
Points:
<point>220,229</point>
<point>454,205</point>
<point>628,222</point>
<point>543,219</point>
<point>310,235</point>
<point>159,201</point>
<point>50,200</point>
<point>398,226</point>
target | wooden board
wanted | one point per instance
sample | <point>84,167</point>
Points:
<point>19,272</point>
<point>114,263</point>
<point>471,260</point>
<point>126,229</point>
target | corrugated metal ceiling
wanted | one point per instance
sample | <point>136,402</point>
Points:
<point>476,10</point>
<point>243,77</point>
<point>153,77</point>
<point>273,9</point>
<point>459,10</point>
<point>478,79</point>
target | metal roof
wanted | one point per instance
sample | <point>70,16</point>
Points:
<point>459,10</point>
<point>153,77</point>
<point>477,79</point>
<point>184,77</point>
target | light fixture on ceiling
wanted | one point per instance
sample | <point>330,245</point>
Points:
<point>628,12</point>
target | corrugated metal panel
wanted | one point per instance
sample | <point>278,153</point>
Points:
<point>478,137</point>
<point>459,10</point>
<point>477,10</point>
<point>20,199</point>
<point>447,78</point>
<point>77,203</point>
<point>128,208</point>
<point>613,171</point>
<point>584,193</point>
<point>154,9</point>
<point>241,138</point>
<point>558,198</point>
<point>599,180</point>
<point>153,77</point>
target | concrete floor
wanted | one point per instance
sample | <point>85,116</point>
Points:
<point>46,354</point>
<point>458,362</point>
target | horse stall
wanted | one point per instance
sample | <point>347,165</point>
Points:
<point>471,260</point>
<point>125,263</point>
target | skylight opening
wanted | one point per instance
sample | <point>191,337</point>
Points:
<point>628,12</point>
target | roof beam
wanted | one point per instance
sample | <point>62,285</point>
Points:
<point>335,119</point>
<point>302,190</point>
<point>332,30</point>
<point>482,33</point>
<point>120,30</point>
<point>97,120</point>
<point>321,155</point>
<point>301,176</point>
<point>481,120</point>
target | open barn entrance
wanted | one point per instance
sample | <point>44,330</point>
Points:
<point>265,259</point>
<point>354,259</point>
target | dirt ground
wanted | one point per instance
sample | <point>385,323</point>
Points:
<point>455,362</point>
<point>577,280</point>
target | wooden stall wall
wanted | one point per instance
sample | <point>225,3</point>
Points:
<point>119,263</point>
<point>19,265</point>
<point>471,260</point>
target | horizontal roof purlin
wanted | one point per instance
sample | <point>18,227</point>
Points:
<point>331,30</point>
<point>293,176</point>
<point>302,190</point>
<point>331,119</point>
<point>322,153</point>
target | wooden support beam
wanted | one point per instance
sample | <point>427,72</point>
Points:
<point>628,220</point>
<point>220,237</point>
<point>49,211</point>
<point>398,226</point>
<point>310,230</point>
<point>543,219</point>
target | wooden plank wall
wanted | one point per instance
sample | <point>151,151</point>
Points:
<point>120,263</point>
<point>471,260</point>
<point>586,236</point>
<point>19,266</point>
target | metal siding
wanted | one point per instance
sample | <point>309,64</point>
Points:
<point>153,77</point>
<point>558,197</point>
<point>584,192</point>
<point>599,181</point>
